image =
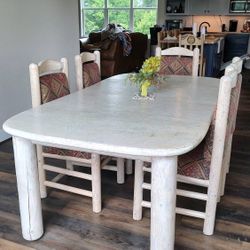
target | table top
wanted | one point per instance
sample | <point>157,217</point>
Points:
<point>104,118</point>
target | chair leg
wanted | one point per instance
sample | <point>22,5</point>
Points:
<point>226,164</point>
<point>69,165</point>
<point>138,191</point>
<point>204,68</point>
<point>120,170</point>
<point>96,183</point>
<point>129,166</point>
<point>222,183</point>
<point>213,193</point>
<point>41,171</point>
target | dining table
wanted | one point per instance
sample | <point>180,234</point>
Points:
<point>107,119</point>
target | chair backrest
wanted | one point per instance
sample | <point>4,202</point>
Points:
<point>88,70</point>
<point>178,61</point>
<point>219,126</point>
<point>48,80</point>
<point>224,117</point>
<point>236,65</point>
<point>189,41</point>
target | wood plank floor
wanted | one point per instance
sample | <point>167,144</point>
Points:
<point>70,223</point>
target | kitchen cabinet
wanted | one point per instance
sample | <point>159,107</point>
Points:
<point>209,7</point>
<point>177,7</point>
<point>235,45</point>
<point>213,60</point>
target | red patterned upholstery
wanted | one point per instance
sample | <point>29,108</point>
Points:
<point>196,163</point>
<point>176,65</point>
<point>66,152</point>
<point>53,86</point>
<point>90,74</point>
<point>234,101</point>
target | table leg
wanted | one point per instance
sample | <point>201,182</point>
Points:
<point>129,166</point>
<point>163,203</point>
<point>28,188</point>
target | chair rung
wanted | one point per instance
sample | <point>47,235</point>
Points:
<point>67,172</point>
<point>179,210</point>
<point>146,169</point>
<point>67,158</point>
<point>191,194</point>
<point>190,212</point>
<point>68,188</point>
<point>105,161</point>
<point>193,181</point>
<point>146,186</point>
<point>109,167</point>
<point>81,164</point>
<point>146,204</point>
<point>58,177</point>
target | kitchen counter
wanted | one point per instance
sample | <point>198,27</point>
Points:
<point>210,39</point>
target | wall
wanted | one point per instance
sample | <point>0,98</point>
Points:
<point>31,31</point>
<point>215,21</point>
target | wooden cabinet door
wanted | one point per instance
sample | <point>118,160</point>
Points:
<point>209,7</point>
<point>219,7</point>
<point>197,7</point>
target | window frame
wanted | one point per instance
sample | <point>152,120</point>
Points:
<point>106,9</point>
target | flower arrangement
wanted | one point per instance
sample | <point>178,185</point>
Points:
<point>147,75</point>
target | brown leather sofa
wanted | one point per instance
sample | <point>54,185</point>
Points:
<point>112,59</point>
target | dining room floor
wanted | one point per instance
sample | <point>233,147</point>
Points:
<point>70,223</point>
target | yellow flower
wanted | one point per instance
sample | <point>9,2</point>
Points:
<point>147,74</point>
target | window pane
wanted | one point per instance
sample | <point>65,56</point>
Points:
<point>119,17</point>
<point>92,3</point>
<point>93,20</point>
<point>143,20</point>
<point>145,3</point>
<point>118,3</point>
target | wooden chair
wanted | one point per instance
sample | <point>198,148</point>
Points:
<point>167,38</point>
<point>88,69</point>
<point>49,81</point>
<point>189,41</point>
<point>178,61</point>
<point>87,66</point>
<point>202,167</point>
<point>234,103</point>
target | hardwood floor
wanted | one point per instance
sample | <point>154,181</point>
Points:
<point>70,223</point>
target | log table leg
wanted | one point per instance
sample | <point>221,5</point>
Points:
<point>163,203</point>
<point>129,166</point>
<point>28,188</point>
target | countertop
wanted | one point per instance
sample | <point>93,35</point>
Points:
<point>214,37</point>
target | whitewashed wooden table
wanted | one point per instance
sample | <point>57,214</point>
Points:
<point>104,119</point>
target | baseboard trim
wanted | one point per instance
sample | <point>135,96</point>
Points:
<point>3,136</point>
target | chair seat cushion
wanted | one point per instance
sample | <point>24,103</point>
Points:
<point>53,86</point>
<point>66,152</point>
<point>194,164</point>
<point>91,74</point>
<point>175,65</point>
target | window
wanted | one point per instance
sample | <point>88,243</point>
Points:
<point>135,15</point>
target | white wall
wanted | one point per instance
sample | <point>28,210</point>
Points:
<point>31,31</point>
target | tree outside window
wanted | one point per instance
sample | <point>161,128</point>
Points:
<point>136,15</point>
